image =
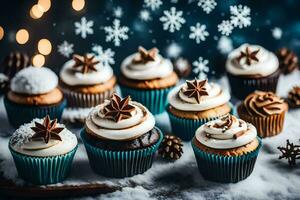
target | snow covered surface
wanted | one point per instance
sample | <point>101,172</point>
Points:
<point>271,178</point>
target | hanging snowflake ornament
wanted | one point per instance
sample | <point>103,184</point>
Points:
<point>106,57</point>
<point>200,68</point>
<point>240,16</point>
<point>207,5</point>
<point>153,4</point>
<point>172,20</point>
<point>145,15</point>
<point>116,32</point>
<point>84,27</point>
<point>225,28</point>
<point>65,49</point>
<point>198,33</point>
<point>290,152</point>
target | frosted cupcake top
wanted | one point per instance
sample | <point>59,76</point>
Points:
<point>226,133</point>
<point>119,119</point>
<point>146,65</point>
<point>198,95</point>
<point>42,138</point>
<point>251,60</point>
<point>34,80</point>
<point>85,70</point>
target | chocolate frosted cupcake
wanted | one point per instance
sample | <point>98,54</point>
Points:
<point>120,138</point>
<point>294,97</point>
<point>148,77</point>
<point>226,149</point>
<point>43,151</point>
<point>34,94</point>
<point>250,68</point>
<point>265,111</point>
<point>86,82</point>
<point>195,103</point>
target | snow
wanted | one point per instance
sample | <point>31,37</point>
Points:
<point>198,33</point>
<point>153,4</point>
<point>277,33</point>
<point>201,68</point>
<point>116,33</point>
<point>207,5</point>
<point>225,45</point>
<point>225,27</point>
<point>84,27</point>
<point>106,57</point>
<point>172,20</point>
<point>240,16</point>
<point>145,15</point>
<point>65,49</point>
<point>118,12</point>
<point>173,50</point>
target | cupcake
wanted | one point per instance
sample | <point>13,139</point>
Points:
<point>34,94</point>
<point>43,151</point>
<point>250,68</point>
<point>85,82</point>
<point>226,149</point>
<point>293,98</point>
<point>120,138</point>
<point>148,77</point>
<point>194,103</point>
<point>265,111</point>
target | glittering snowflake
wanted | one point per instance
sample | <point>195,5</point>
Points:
<point>198,33</point>
<point>145,15</point>
<point>207,5</point>
<point>106,57</point>
<point>84,27</point>
<point>172,20</point>
<point>173,50</point>
<point>225,28</point>
<point>240,16</point>
<point>153,4</point>
<point>118,12</point>
<point>65,49</point>
<point>201,69</point>
<point>116,32</point>
<point>225,45</point>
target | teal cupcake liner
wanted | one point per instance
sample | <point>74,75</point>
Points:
<point>155,100</point>
<point>225,169</point>
<point>119,164</point>
<point>19,114</point>
<point>185,128</point>
<point>43,170</point>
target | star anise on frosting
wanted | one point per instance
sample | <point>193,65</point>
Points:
<point>144,55</point>
<point>118,108</point>
<point>196,89</point>
<point>86,63</point>
<point>249,55</point>
<point>47,130</point>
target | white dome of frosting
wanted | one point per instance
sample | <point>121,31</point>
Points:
<point>34,80</point>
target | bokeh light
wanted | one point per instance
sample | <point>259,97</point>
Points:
<point>36,11</point>
<point>22,36</point>
<point>1,33</point>
<point>38,60</point>
<point>45,4</point>
<point>78,4</point>
<point>44,46</point>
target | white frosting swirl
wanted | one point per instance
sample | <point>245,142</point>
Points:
<point>267,62</point>
<point>216,97</point>
<point>140,122</point>
<point>73,77</point>
<point>21,142</point>
<point>216,137</point>
<point>34,80</point>
<point>159,68</point>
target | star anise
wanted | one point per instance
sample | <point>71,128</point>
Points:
<point>250,56</point>
<point>85,62</point>
<point>47,130</point>
<point>118,108</point>
<point>196,89</point>
<point>290,152</point>
<point>145,55</point>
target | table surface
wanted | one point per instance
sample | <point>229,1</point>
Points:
<point>271,178</point>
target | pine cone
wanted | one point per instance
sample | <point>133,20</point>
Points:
<point>294,97</point>
<point>182,67</point>
<point>288,60</point>
<point>171,147</point>
<point>14,62</point>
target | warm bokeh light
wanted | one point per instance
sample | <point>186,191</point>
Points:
<point>78,4</point>
<point>38,60</point>
<point>22,36</point>
<point>1,33</point>
<point>36,11</point>
<point>44,46</point>
<point>45,4</point>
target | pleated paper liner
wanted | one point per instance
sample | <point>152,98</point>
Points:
<point>241,86</point>
<point>19,114</point>
<point>120,164</point>
<point>225,169</point>
<point>43,170</point>
<point>155,100</point>
<point>266,126</point>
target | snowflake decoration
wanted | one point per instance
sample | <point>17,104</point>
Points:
<point>65,49</point>
<point>84,27</point>
<point>153,4</point>
<point>207,5</point>
<point>225,28</point>
<point>277,33</point>
<point>198,33</point>
<point>106,57</point>
<point>116,32</point>
<point>290,152</point>
<point>225,45</point>
<point>172,20</point>
<point>173,50</point>
<point>145,15</point>
<point>118,12</point>
<point>240,16</point>
<point>201,68</point>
